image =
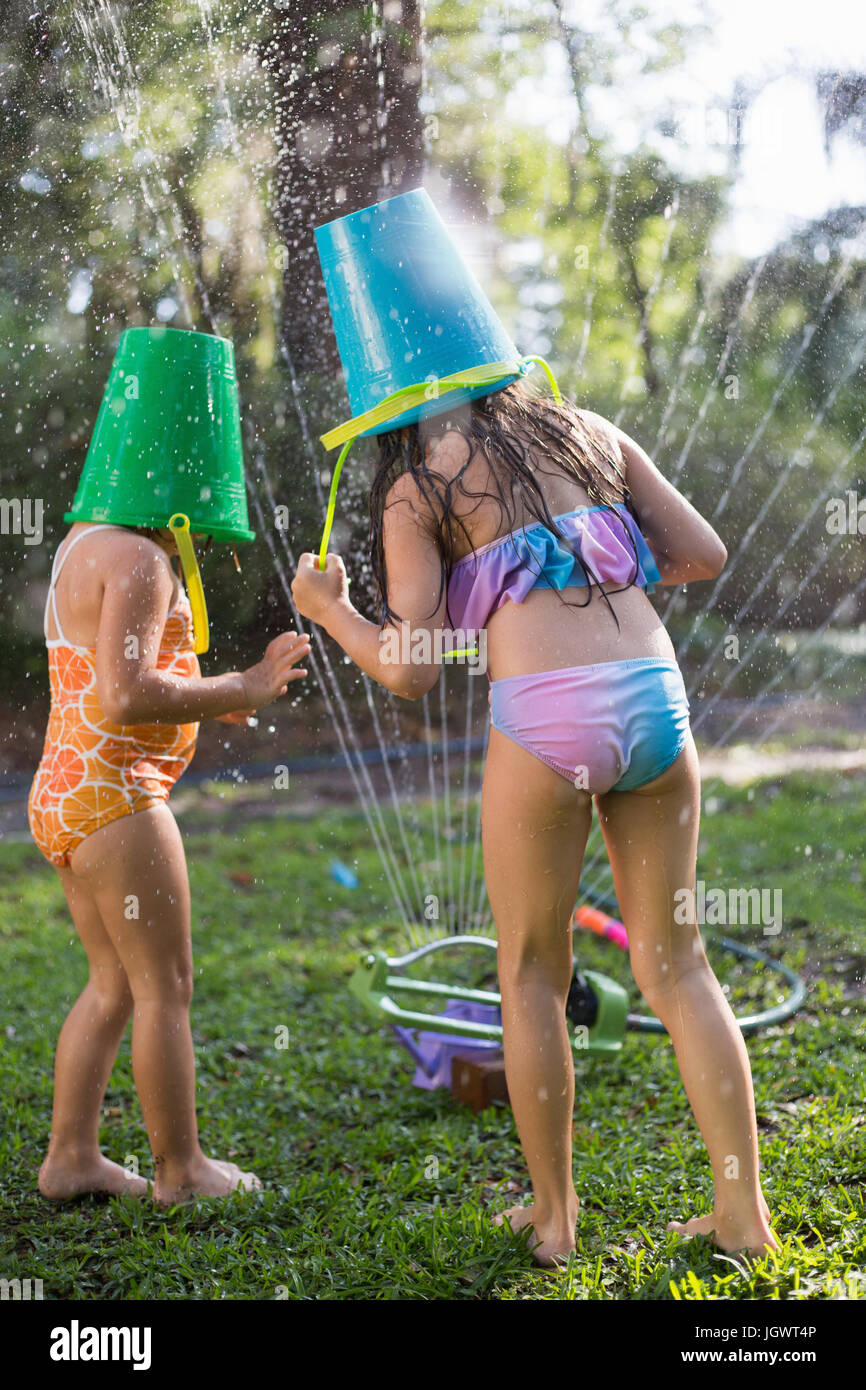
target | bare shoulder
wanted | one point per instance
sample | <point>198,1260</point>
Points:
<point>120,555</point>
<point>628,449</point>
<point>454,457</point>
<point>405,494</point>
<point>407,504</point>
<point>603,428</point>
<point>446,456</point>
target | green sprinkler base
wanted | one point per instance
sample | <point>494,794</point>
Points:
<point>375,982</point>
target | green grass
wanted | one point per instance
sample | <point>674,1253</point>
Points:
<point>376,1190</point>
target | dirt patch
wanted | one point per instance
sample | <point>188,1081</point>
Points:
<point>741,765</point>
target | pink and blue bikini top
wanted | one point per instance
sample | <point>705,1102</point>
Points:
<point>607,539</point>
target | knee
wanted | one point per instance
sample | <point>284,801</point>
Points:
<point>535,965</point>
<point>171,986</point>
<point>653,980</point>
<point>113,992</point>
<point>657,972</point>
<point>181,987</point>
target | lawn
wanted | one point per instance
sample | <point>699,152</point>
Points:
<point>377,1190</point>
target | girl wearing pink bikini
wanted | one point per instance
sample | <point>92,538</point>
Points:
<point>546,524</point>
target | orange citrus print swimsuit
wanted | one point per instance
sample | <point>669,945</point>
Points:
<point>93,772</point>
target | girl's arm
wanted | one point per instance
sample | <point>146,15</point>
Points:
<point>683,543</point>
<point>131,690</point>
<point>414,577</point>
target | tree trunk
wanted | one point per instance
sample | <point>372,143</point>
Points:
<point>346,80</point>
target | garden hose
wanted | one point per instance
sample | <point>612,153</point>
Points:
<point>766,1018</point>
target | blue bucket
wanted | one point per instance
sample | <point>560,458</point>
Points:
<point>406,308</point>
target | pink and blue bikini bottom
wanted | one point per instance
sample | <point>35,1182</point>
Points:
<point>610,727</point>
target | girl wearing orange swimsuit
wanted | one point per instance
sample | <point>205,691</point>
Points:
<point>127,696</point>
<point>122,729</point>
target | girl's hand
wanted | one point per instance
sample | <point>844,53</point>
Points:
<point>316,591</point>
<point>237,716</point>
<point>271,676</point>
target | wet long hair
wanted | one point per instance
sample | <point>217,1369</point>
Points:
<point>508,427</point>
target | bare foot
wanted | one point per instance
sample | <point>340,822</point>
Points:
<point>549,1244</point>
<point>208,1178</point>
<point>60,1179</point>
<point>752,1238</point>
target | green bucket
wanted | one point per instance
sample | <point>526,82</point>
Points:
<point>167,438</point>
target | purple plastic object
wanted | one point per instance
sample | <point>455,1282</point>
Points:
<point>433,1051</point>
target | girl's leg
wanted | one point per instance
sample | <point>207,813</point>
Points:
<point>86,1051</point>
<point>135,871</point>
<point>651,835</point>
<point>534,829</point>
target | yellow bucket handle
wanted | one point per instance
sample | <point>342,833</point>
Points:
<point>179,527</point>
<point>399,402</point>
